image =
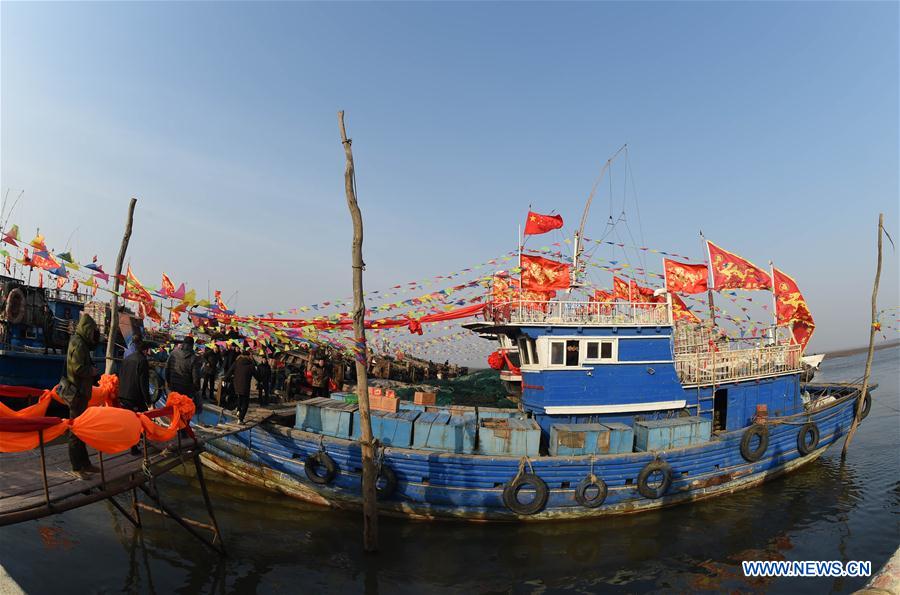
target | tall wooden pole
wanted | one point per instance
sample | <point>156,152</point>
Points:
<point>865,386</point>
<point>114,304</point>
<point>369,494</point>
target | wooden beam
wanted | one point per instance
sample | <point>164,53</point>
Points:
<point>114,303</point>
<point>369,494</point>
<point>865,386</point>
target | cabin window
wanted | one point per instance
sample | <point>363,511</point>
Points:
<point>532,351</point>
<point>599,351</point>
<point>557,353</point>
<point>523,352</point>
<point>572,353</point>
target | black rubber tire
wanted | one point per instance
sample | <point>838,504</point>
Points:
<point>805,447</point>
<point>511,494</point>
<point>15,306</point>
<point>586,484</point>
<point>317,461</point>
<point>867,406</point>
<point>643,479</point>
<point>751,456</point>
<point>387,475</point>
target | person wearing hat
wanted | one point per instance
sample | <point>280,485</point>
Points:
<point>241,373</point>
<point>183,373</point>
<point>134,381</point>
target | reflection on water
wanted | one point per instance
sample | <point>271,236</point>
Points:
<point>827,510</point>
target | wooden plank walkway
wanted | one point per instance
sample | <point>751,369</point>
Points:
<point>24,496</point>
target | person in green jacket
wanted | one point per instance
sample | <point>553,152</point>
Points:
<point>75,386</point>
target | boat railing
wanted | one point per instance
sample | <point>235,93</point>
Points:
<point>576,312</point>
<point>716,366</point>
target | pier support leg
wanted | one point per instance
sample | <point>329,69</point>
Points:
<point>177,518</point>
<point>217,536</point>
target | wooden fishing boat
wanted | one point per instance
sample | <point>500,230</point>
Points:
<point>661,420</point>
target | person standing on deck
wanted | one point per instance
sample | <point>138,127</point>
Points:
<point>75,386</point>
<point>183,373</point>
<point>209,370</point>
<point>228,359</point>
<point>134,381</point>
<point>263,379</point>
<point>241,373</point>
<point>318,368</point>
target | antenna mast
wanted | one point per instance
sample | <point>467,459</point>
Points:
<point>587,207</point>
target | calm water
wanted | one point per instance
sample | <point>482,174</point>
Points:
<point>825,511</point>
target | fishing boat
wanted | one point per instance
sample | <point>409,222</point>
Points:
<point>626,402</point>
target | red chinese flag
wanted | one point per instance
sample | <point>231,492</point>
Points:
<point>537,223</point>
<point>168,288</point>
<point>680,311</point>
<point>685,278</point>
<point>730,271</point>
<point>601,296</point>
<point>543,274</point>
<point>538,296</point>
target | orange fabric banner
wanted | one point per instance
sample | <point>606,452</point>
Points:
<point>685,278</point>
<point>639,293</point>
<point>543,274</point>
<point>680,311</point>
<point>791,307</point>
<point>134,291</point>
<point>730,271</point>
<point>621,290</point>
<point>108,429</point>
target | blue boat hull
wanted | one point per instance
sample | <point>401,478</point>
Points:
<point>434,485</point>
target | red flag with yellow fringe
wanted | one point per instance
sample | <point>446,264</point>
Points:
<point>730,271</point>
<point>791,307</point>
<point>543,274</point>
<point>685,278</point>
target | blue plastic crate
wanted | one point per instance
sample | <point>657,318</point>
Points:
<point>509,437</point>
<point>664,434</point>
<point>391,429</point>
<point>621,438</point>
<point>443,432</point>
<point>589,439</point>
<point>325,416</point>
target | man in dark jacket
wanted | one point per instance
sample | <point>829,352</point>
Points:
<point>183,373</point>
<point>134,381</point>
<point>209,370</point>
<point>263,380</point>
<point>75,386</point>
<point>241,373</point>
<point>318,370</point>
<point>228,395</point>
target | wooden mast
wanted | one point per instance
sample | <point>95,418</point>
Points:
<point>369,494</point>
<point>114,303</point>
<point>865,386</point>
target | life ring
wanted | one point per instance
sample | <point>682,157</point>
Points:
<point>756,454</point>
<point>591,482</point>
<point>867,406</point>
<point>15,306</point>
<point>385,482</point>
<point>320,468</point>
<point>808,438</point>
<point>529,480</point>
<point>644,487</point>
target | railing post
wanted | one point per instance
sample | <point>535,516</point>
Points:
<point>44,468</point>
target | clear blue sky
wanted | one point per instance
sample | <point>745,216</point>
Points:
<point>771,126</point>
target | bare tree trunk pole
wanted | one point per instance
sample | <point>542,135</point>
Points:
<point>369,494</point>
<point>865,386</point>
<point>114,304</point>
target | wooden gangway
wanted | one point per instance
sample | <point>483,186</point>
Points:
<point>39,482</point>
